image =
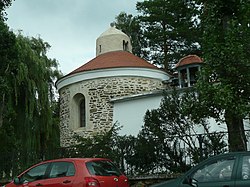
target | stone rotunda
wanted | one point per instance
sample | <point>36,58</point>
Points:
<point>114,87</point>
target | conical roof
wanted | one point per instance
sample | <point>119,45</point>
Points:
<point>114,59</point>
<point>112,31</point>
<point>112,40</point>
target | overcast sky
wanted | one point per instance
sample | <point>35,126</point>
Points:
<point>69,26</point>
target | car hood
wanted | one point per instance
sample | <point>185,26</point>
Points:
<point>168,183</point>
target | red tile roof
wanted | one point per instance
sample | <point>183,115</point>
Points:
<point>190,59</point>
<point>115,59</point>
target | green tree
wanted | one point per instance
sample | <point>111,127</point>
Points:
<point>170,29</point>
<point>105,145</point>
<point>172,130</point>
<point>143,157</point>
<point>224,89</point>
<point>33,94</point>
<point>29,110</point>
<point>3,5</point>
<point>124,151</point>
<point>7,54</point>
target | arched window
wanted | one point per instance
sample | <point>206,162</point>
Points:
<point>78,111</point>
<point>82,112</point>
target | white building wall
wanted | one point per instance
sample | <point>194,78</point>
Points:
<point>130,114</point>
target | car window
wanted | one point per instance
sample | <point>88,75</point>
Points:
<point>35,173</point>
<point>102,168</point>
<point>220,170</point>
<point>62,169</point>
<point>245,173</point>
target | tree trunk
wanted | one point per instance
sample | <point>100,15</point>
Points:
<point>165,49</point>
<point>236,133</point>
<point>1,110</point>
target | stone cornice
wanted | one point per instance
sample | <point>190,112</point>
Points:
<point>112,72</point>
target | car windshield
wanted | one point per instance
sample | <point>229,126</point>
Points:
<point>102,168</point>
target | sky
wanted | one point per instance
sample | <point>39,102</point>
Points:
<point>71,27</point>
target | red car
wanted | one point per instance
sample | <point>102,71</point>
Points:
<point>72,172</point>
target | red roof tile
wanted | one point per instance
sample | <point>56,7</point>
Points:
<point>115,59</point>
<point>190,59</point>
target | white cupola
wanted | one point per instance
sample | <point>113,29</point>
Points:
<point>113,40</point>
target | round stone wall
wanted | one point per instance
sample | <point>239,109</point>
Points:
<point>99,109</point>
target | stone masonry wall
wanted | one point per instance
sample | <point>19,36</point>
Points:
<point>98,93</point>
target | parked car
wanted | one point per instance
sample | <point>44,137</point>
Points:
<point>225,170</point>
<point>72,172</point>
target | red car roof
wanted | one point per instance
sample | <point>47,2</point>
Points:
<point>76,159</point>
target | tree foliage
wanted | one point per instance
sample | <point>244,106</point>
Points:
<point>7,55</point>
<point>170,30</point>
<point>3,5</point>
<point>107,145</point>
<point>174,130</point>
<point>28,108</point>
<point>33,95</point>
<point>163,32</point>
<point>224,88</point>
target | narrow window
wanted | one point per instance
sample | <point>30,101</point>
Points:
<point>184,78</point>
<point>193,75</point>
<point>100,48</point>
<point>82,113</point>
<point>125,45</point>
